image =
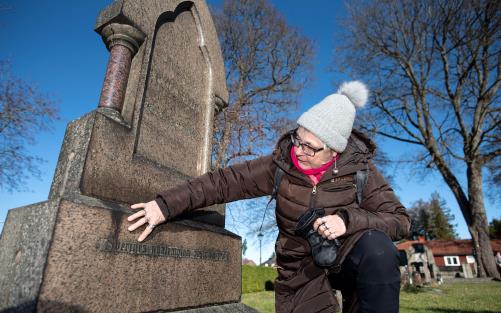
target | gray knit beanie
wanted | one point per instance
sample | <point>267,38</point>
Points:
<point>331,120</point>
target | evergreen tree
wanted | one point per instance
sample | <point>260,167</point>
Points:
<point>495,229</point>
<point>244,246</point>
<point>420,219</point>
<point>441,219</point>
<point>432,219</point>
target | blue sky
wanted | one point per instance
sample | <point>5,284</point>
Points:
<point>52,44</point>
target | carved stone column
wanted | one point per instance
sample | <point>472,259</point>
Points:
<point>123,41</point>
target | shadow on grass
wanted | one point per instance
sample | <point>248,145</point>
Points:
<point>440,310</point>
<point>414,289</point>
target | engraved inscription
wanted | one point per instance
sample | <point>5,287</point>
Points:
<point>158,250</point>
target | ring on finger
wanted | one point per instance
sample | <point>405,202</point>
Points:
<point>151,226</point>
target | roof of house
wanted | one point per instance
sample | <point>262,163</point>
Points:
<point>449,247</point>
<point>406,244</point>
<point>271,261</point>
<point>246,261</point>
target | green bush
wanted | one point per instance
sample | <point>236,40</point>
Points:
<point>255,278</point>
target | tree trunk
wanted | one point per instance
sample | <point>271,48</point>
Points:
<point>479,228</point>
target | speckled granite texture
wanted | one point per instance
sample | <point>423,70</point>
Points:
<point>117,75</point>
<point>176,79</point>
<point>73,253</point>
<point>24,245</point>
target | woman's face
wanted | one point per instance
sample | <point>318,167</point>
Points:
<point>320,158</point>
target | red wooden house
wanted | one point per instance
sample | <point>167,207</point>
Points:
<point>454,258</point>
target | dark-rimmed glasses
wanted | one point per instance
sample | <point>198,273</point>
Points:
<point>307,149</point>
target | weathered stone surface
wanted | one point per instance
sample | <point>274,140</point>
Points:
<point>73,253</point>
<point>93,264</point>
<point>79,272</point>
<point>72,156</point>
<point>24,244</point>
<point>175,80</point>
<point>226,308</point>
<point>163,134</point>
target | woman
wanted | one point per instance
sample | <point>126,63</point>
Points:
<point>320,159</point>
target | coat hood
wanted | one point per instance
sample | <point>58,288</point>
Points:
<point>359,150</point>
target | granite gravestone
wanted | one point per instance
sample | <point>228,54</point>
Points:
<point>151,130</point>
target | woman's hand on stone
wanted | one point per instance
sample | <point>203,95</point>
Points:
<point>330,226</point>
<point>150,215</point>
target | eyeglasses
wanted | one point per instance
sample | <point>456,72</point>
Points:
<point>307,149</point>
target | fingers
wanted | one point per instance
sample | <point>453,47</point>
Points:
<point>331,236</point>
<point>325,226</point>
<point>317,223</point>
<point>139,213</point>
<point>150,215</point>
<point>138,206</point>
<point>147,231</point>
<point>137,224</point>
<point>326,233</point>
<point>323,230</point>
<point>136,215</point>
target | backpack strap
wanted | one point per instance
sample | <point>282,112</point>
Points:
<point>361,178</point>
<point>279,174</point>
<point>277,179</point>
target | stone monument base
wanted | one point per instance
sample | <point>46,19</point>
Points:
<point>76,255</point>
<point>225,308</point>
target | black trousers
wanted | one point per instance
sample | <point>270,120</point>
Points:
<point>369,279</point>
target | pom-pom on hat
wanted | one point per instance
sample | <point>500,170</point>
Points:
<point>331,120</point>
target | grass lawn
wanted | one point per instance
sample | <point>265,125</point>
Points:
<point>263,301</point>
<point>463,297</point>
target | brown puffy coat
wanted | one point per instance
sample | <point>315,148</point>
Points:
<point>301,286</point>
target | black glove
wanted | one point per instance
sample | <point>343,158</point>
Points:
<point>324,251</point>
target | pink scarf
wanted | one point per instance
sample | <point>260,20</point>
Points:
<point>315,174</point>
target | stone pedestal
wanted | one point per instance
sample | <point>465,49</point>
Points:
<point>77,256</point>
<point>152,130</point>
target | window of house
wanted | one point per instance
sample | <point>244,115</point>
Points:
<point>451,260</point>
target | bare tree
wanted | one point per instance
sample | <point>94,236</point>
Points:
<point>24,112</point>
<point>435,68</point>
<point>267,64</point>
